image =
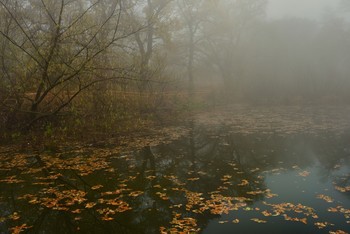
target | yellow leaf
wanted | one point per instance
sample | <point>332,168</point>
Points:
<point>90,205</point>
<point>258,220</point>
<point>96,187</point>
<point>235,221</point>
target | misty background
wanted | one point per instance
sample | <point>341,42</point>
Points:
<point>310,9</point>
<point>106,59</point>
<point>298,52</point>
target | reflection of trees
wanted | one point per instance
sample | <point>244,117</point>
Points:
<point>335,152</point>
<point>201,163</point>
<point>209,155</point>
<point>188,171</point>
<point>332,157</point>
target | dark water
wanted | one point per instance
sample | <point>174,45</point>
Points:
<point>210,181</point>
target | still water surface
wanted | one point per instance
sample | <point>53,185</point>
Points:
<point>212,180</point>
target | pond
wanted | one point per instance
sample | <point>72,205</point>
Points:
<point>208,180</point>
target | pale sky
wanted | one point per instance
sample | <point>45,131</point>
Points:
<point>311,9</point>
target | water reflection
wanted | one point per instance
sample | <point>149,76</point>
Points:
<point>213,180</point>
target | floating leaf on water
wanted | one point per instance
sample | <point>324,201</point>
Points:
<point>163,230</point>
<point>304,173</point>
<point>163,196</point>
<point>106,218</point>
<point>110,170</point>
<point>332,209</point>
<point>54,176</point>
<point>235,221</point>
<point>222,188</point>
<point>193,179</point>
<point>256,192</point>
<point>268,194</point>
<point>11,180</point>
<point>176,189</point>
<point>343,189</point>
<point>244,183</point>
<point>97,187</point>
<point>288,218</point>
<point>150,177</point>
<point>116,192</point>
<point>258,220</point>
<point>170,177</point>
<point>14,216</point>
<point>183,225</point>
<point>326,198</point>
<point>255,170</point>
<point>106,211</point>
<point>266,213</point>
<point>135,193</point>
<point>77,211</point>
<point>214,192</point>
<point>226,177</point>
<point>338,232</point>
<point>221,222</point>
<point>18,229</point>
<point>322,225</point>
<point>90,205</point>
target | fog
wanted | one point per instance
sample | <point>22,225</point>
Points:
<point>57,55</point>
<point>297,53</point>
<point>174,116</point>
<point>310,9</point>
